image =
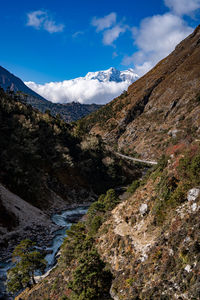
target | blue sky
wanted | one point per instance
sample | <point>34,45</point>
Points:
<point>50,40</point>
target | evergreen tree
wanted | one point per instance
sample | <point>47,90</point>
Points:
<point>27,260</point>
<point>91,281</point>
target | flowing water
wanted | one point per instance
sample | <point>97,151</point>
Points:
<point>65,220</point>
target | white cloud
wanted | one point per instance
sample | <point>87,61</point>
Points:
<point>183,7</point>
<point>114,31</point>
<point>36,18</point>
<point>105,22</point>
<point>156,37</point>
<point>51,27</point>
<point>80,89</point>
<point>40,19</point>
<point>110,35</point>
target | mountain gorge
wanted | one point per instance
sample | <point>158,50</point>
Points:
<point>142,244</point>
<point>47,166</point>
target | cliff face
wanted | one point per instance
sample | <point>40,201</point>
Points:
<point>161,106</point>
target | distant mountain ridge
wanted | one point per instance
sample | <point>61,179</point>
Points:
<point>15,84</point>
<point>68,112</point>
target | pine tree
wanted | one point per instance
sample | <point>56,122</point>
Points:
<point>27,260</point>
<point>91,281</point>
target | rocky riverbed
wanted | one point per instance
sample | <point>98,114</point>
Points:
<point>50,240</point>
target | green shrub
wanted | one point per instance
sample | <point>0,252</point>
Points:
<point>95,225</point>
<point>90,280</point>
<point>195,169</point>
<point>162,163</point>
<point>189,168</point>
<point>110,200</point>
<point>159,210</point>
<point>133,187</point>
<point>179,195</point>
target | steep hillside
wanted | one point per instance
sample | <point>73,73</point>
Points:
<point>149,242</point>
<point>159,109</point>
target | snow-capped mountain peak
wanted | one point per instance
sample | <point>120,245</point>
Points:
<point>96,87</point>
<point>113,74</point>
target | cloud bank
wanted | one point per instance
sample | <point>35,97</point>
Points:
<point>156,37</point>
<point>40,19</point>
<point>183,7</point>
<point>80,90</point>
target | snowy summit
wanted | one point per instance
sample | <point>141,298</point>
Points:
<point>113,74</point>
<point>96,87</point>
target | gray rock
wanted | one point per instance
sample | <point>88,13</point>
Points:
<point>143,208</point>
<point>193,194</point>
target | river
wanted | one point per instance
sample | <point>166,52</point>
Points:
<point>65,219</point>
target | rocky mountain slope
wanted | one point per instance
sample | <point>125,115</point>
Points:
<point>158,109</point>
<point>149,240</point>
<point>68,112</point>
<point>18,218</point>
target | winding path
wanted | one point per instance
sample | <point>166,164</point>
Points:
<point>150,162</point>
